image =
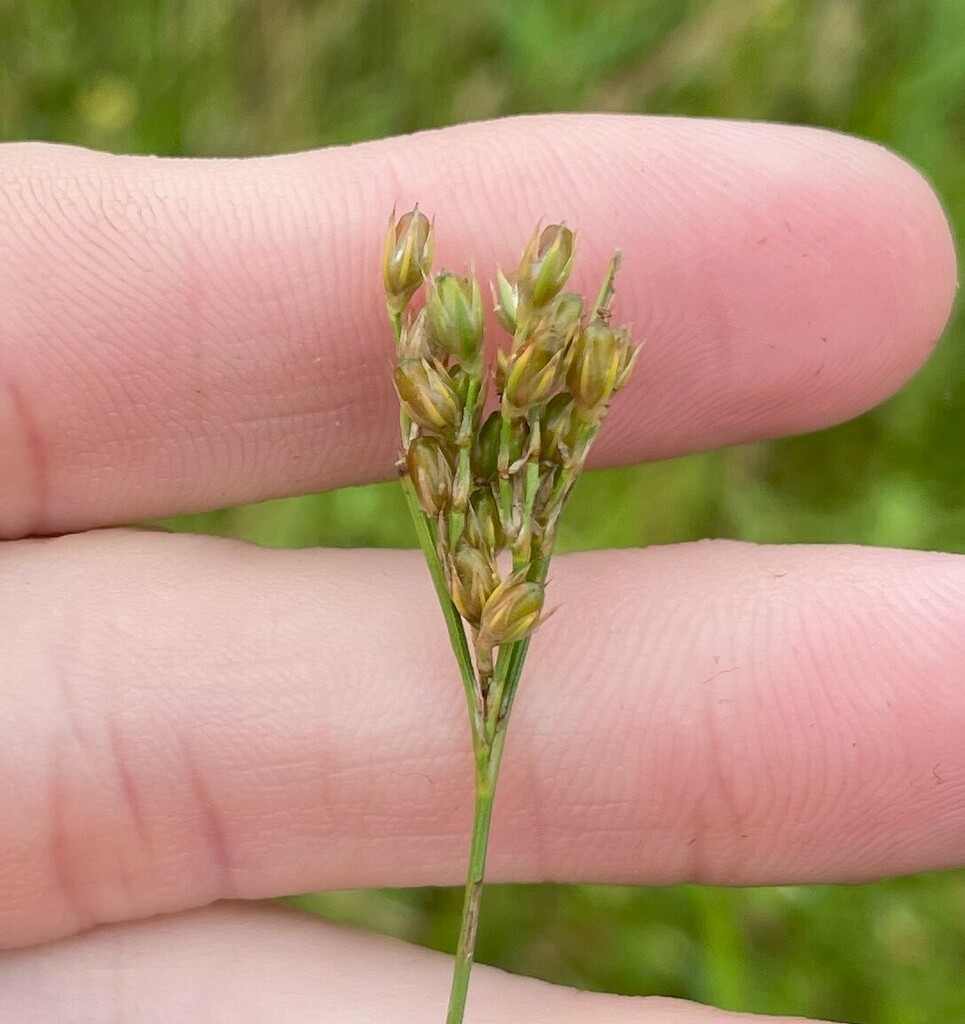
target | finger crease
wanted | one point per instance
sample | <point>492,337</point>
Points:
<point>36,452</point>
<point>212,829</point>
<point>61,853</point>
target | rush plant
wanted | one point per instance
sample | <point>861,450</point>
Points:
<point>486,489</point>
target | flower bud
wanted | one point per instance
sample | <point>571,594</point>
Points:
<point>472,579</point>
<point>483,527</point>
<point>511,612</point>
<point>407,258</point>
<point>428,395</point>
<point>455,316</point>
<point>429,464</point>
<point>546,264</point>
<point>536,371</point>
<point>598,357</point>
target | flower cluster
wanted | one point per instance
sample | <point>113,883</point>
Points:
<point>497,482</point>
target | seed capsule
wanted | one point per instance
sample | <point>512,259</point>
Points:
<point>546,264</point>
<point>430,467</point>
<point>454,313</point>
<point>407,258</point>
<point>598,356</point>
<point>511,613</point>
<point>428,395</point>
<point>536,371</point>
<point>472,579</point>
<point>483,527</point>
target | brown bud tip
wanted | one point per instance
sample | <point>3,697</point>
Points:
<point>429,463</point>
<point>407,258</point>
<point>511,612</point>
<point>546,265</point>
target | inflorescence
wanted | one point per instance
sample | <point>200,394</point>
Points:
<point>497,482</point>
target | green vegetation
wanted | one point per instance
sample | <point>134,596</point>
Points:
<point>234,77</point>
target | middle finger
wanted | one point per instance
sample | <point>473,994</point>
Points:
<point>185,718</point>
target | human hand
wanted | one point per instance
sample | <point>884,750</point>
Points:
<point>189,719</point>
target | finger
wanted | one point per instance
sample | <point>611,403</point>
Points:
<point>180,335</point>
<point>185,719</point>
<point>253,964</point>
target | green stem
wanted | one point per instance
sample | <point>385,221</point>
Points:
<point>488,760</point>
<point>457,634</point>
<point>427,541</point>
<point>507,682</point>
<point>489,755</point>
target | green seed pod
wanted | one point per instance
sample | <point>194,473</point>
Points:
<point>598,355</point>
<point>472,579</point>
<point>407,258</point>
<point>511,612</point>
<point>546,265</point>
<point>485,448</point>
<point>429,463</point>
<point>454,313</point>
<point>536,371</point>
<point>429,396</point>
<point>483,527</point>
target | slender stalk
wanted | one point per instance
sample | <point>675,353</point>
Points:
<point>447,337</point>
<point>505,493</point>
<point>457,634</point>
<point>488,759</point>
<point>604,297</point>
<point>427,541</point>
<point>457,518</point>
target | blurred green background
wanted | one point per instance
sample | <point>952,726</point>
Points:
<point>238,77</point>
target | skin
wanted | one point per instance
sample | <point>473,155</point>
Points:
<point>187,720</point>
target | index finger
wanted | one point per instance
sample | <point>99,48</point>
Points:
<point>178,335</point>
